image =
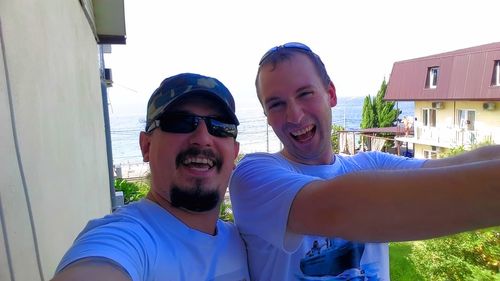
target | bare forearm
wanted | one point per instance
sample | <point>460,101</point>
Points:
<point>485,153</point>
<point>400,205</point>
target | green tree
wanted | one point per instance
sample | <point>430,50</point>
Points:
<point>368,117</point>
<point>335,137</point>
<point>378,113</point>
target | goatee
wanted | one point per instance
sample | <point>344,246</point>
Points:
<point>197,199</point>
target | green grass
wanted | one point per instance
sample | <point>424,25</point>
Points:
<point>401,268</point>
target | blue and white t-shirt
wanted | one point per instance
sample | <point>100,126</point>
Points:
<point>151,244</point>
<point>262,189</point>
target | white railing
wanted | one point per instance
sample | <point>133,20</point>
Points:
<point>451,137</point>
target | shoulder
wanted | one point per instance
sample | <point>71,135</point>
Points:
<point>382,160</point>
<point>259,157</point>
<point>132,224</point>
<point>227,228</point>
<point>263,160</point>
<point>122,237</point>
<point>257,167</point>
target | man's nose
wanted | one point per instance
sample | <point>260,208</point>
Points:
<point>294,113</point>
<point>200,135</point>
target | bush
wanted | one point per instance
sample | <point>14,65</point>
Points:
<point>132,191</point>
<point>226,211</point>
<point>335,137</point>
<point>471,256</point>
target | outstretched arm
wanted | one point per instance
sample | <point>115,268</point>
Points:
<point>376,206</point>
<point>88,269</point>
<point>484,153</point>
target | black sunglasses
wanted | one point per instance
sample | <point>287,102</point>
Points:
<point>186,123</point>
<point>290,45</point>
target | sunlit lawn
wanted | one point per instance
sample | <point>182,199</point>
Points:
<point>401,268</point>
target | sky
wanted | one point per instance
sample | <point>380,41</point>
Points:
<point>358,41</point>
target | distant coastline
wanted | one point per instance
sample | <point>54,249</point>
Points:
<point>254,133</point>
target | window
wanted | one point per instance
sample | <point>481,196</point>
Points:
<point>429,117</point>
<point>430,154</point>
<point>495,78</point>
<point>432,77</point>
<point>466,119</point>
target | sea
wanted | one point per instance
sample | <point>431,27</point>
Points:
<point>254,134</point>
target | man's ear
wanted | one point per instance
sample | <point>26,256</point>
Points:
<point>332,94</point>
<point>236,151</point>
<point>145,143</point>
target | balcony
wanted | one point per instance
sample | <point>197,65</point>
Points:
<point>451,137</point>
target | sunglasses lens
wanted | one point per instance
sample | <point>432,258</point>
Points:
<point>297,45</point>
<point>176,123</point>
<point>183,124</point>
<point>220,129</point>
<point>290,45</point>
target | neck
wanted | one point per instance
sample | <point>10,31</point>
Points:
<point>202,221</point>
<point>324,159</point>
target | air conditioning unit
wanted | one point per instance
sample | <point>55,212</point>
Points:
<point>108,77</point>
<point>438,105</point>
<point>489,106</point>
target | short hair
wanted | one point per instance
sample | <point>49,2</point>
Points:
<point>283,54</point>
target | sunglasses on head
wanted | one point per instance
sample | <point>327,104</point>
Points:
<point>183,123</point>
<point>290,45</point>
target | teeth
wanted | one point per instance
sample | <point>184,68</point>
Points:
<point>198,160</point>
<point>302,131</point>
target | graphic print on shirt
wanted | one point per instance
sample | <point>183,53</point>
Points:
<point>336,259</point>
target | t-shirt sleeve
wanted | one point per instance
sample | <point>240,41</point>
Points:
<point>262,189</point>
<point>121,242</point>
<point>375,160</point>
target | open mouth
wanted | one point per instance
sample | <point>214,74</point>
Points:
<point>304,134</point>
<point>199,163</point>
<point>198,159</point>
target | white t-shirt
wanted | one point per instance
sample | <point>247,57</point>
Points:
<point>151,244</point>
<point>262,189</point>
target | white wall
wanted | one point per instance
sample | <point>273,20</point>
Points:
<point>53,166</point>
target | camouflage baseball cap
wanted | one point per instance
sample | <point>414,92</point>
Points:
<point>182,85</point>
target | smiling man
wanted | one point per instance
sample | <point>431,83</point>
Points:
<point>308,214</point>
<point>173,234</point>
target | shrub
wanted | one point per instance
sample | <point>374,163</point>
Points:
<point>226,212</point>
<point>466,256</point>
<point>335,137</point>
<point>132,191</point>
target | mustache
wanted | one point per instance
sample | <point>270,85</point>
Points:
<point>195,152</point>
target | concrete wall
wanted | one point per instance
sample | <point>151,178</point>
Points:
<point>53,166</point>
<point>446,118</point>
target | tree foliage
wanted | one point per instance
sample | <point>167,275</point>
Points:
<point>132,191</point>
<point>335,138</point>
<point>471,256</point>
<point>368,116</point>
<point>226,211</point>
<point>378,113</point>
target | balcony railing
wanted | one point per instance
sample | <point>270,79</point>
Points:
<point>453,137</point>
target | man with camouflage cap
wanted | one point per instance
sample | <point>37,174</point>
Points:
<point>173,234</point>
